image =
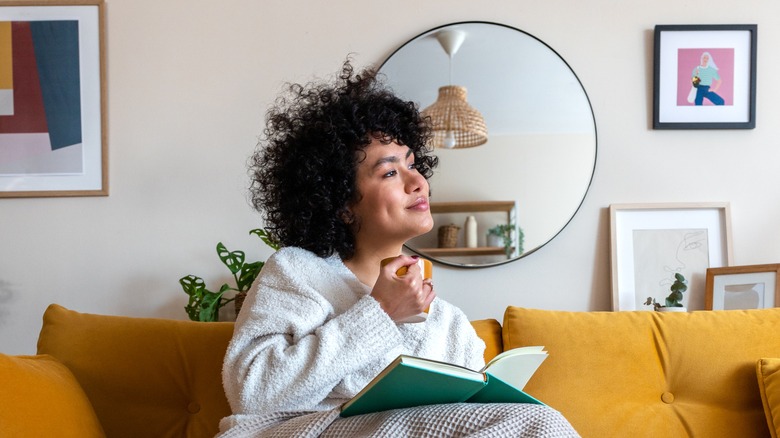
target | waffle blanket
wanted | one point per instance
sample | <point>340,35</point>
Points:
<point>449,420</point>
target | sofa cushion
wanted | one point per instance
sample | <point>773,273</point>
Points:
<point>144,376</point>
<point>647,373</point>
<point>768,372</point>
<point>40,397</point>
<point>490,332</point>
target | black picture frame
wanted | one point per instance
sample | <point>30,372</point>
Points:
<point>680,49</point>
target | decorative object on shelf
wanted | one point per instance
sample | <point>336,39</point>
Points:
<point>471,232</point>
<point>705,76</point>
<point>743,287</point>
<point>502,235</point>
<point>456,124</point>
<point>648,241</point>
<point>494,240</point>
<point>448,236</point>
<point>440,253</point>
<point>673,302</point>
<point>204,304</point>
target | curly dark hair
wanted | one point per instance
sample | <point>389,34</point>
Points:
<point>304,170</point>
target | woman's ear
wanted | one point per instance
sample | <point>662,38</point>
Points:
<point>347,216</point>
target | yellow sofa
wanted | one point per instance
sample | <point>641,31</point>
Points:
<point>639,374</point>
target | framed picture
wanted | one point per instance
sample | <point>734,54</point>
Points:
<point>743,287</point>
<point>52,99</point>
<point>650,243</point>
<point>704,77</point>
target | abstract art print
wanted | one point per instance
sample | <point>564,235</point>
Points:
<point>650,243</point>
<point>743,287</point>
<point>52,121</point>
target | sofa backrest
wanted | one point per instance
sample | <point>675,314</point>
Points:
<point>651,374</point>
<point>149,377</point>
<point>144,377</point>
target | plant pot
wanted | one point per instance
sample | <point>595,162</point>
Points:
<point>493,240</point>
<point>239,301</point>
<point>672,309</point>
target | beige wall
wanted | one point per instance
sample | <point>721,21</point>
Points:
<point>189,81</point>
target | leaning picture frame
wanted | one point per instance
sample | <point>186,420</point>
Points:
<point>743,287</point>
<point>652,242</point>
<point>52,99</point>
<point>704,76</point>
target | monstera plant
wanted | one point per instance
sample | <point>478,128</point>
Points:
<point>204,304</point>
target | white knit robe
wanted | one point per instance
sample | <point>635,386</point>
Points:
<point>310,338</point>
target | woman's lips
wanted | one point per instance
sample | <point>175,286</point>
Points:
<point>420,204</point>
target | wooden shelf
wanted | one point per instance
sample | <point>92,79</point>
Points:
<point>507,207</point>
<point>451,252</point>
<point>471,206</point>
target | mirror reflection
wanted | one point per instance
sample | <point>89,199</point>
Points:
<point>520,188</point>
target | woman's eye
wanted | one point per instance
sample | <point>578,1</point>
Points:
<point>390,173</point>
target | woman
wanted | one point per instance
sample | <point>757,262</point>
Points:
<point>342,183</point>
<point>706,76</point>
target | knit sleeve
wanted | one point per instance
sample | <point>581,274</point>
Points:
<point>292,345</point>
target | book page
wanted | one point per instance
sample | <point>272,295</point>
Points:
<point>517,367</point>
<point>514,351</point>
<point>443,367</point>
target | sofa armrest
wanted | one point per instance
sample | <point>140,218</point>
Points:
<point>144,376</point>
<point>41,397</point>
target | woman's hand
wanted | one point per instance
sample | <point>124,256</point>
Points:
<point>715,85</point>
<point>403,296</point>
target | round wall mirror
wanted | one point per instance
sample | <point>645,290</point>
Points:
<point>525,183</point>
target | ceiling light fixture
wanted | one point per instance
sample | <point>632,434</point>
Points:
<point>456,124</point>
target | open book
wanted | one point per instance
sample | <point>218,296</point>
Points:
<point>412,381</point>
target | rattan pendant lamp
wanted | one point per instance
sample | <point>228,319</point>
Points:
<point>456,124</point>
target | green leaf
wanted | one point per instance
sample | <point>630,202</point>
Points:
<point>192,285</point>
<point>247,276</point>
<point>209,307</point>
<point>263,235</point>
<point>192,312</point>
<point>193,307</point>
<point>233,260</point>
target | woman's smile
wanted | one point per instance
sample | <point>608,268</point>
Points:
<point>420,204</point>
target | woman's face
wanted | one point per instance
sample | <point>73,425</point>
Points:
<point>393,204</point>
<point>705,60</point>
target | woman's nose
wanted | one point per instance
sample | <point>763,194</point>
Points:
<point>415,182</point>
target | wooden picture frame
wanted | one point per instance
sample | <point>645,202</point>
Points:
<point>53,99</point>
<point>652,242</point>
<point>743,287</point>
<point>723,58</point>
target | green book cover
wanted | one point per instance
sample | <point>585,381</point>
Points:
<point>411,381</point>
<point>498,391</point>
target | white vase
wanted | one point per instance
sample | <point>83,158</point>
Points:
<point>672,309</point>
<point>471,232</point>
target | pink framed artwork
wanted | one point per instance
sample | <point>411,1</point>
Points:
<point>705,77</point>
